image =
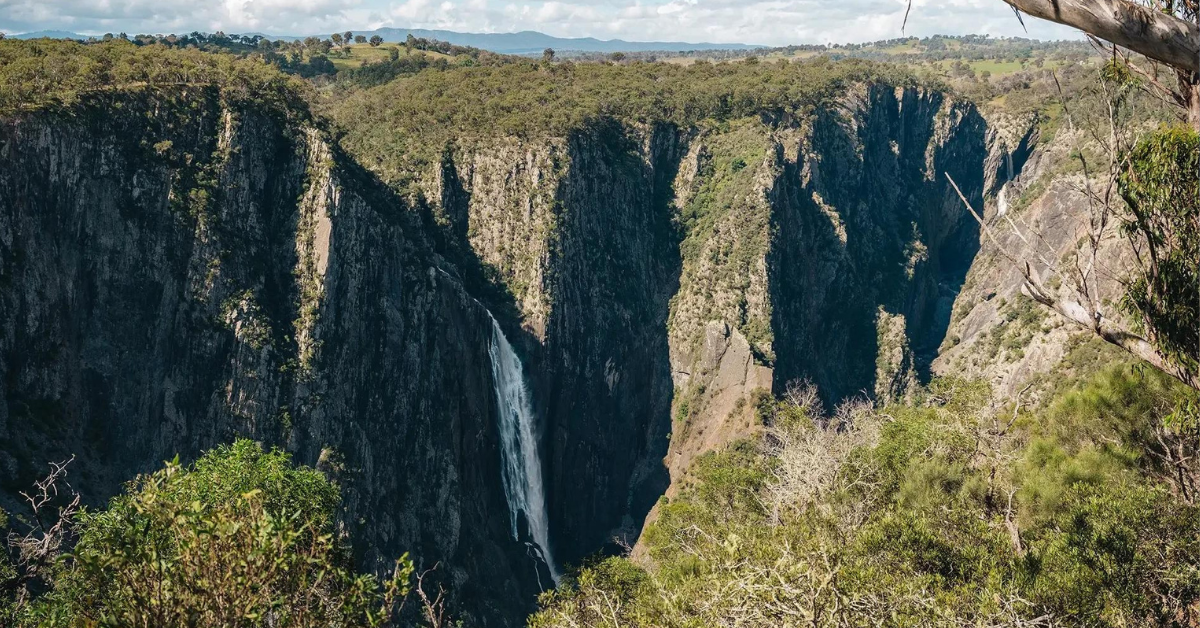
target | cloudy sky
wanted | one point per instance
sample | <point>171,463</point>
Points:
<point>771,22</point>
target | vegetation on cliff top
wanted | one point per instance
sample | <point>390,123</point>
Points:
<point>40,73</point>
<point>402,127</point>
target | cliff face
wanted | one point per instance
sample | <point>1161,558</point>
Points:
<point>996,333</point>
<point>668,275</point>
<point>845,275</point>
<point>577,230</point>
<point>873,240</point>
<point>176,270</point>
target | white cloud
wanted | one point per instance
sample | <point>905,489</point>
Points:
<point>772,22</point>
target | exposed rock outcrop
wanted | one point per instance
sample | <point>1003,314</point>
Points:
<point>998,334</point>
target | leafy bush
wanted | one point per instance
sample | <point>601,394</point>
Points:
<point>1119,554</point>
<point>240,538</point>
<point>1162,189</point>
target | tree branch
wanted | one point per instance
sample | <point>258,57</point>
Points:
<point>1157,35</point>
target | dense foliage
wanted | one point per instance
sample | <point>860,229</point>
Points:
<point>240,538</point>
<point>373,74</point>
<point>44,72</point>
<point>945,512</point>
<point>1162,189</point>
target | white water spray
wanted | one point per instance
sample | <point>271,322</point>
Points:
<point>521,468</point>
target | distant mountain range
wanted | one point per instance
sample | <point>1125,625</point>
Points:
<point>524,42</point>
<point>50,35</point>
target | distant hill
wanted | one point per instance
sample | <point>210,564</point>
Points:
<point>51,35</point>
<point>533,42</point>
<point>524,42</point>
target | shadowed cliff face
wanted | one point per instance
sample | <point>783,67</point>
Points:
<point>178,271</point>
<point>869,230</point>
<point>605,370</point>
<point>579,231</point>
<point>665,276</point>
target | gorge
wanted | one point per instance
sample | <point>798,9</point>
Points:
<point>182,265</point>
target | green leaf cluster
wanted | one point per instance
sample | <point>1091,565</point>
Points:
<point>1161,186</point>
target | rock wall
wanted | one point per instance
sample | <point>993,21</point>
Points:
<point>868,229</point>
<point>997,334</point>
<point>665,276</point>
<point>578,231</point>
<point>859,245</point>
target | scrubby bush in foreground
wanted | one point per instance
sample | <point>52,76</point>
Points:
<point>944,512</point>
<point>240,538</point>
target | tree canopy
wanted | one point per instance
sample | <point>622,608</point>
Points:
<point>44,72</point>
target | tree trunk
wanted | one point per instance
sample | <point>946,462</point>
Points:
<point>1190,90</point>
<point>1157,35</point>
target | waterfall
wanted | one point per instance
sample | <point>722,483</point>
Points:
<point>521,467</point>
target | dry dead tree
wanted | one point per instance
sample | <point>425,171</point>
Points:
<point>51,529</point>
<point>433,606</point>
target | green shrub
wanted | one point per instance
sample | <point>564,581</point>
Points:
<point>240,538</point>
<point>1119,554</point>
<point>1161,187</point>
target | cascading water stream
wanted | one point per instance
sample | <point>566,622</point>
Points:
<point>521,467</point>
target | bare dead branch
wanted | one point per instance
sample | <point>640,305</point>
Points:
<point>434,608</point>
<point>37,550</point>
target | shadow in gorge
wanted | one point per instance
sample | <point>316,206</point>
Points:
<point>963,157</point>
<point>601,378</point>
<point>866,225</point>
<point>604,379</point>
<point>823,323</point>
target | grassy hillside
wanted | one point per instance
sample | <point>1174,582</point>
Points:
<point>357,55</point>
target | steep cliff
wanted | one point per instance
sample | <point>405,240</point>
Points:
<point>667,274</point>
<point>178,267</point>
<point>577,231</point>
<point>1038,207</point>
